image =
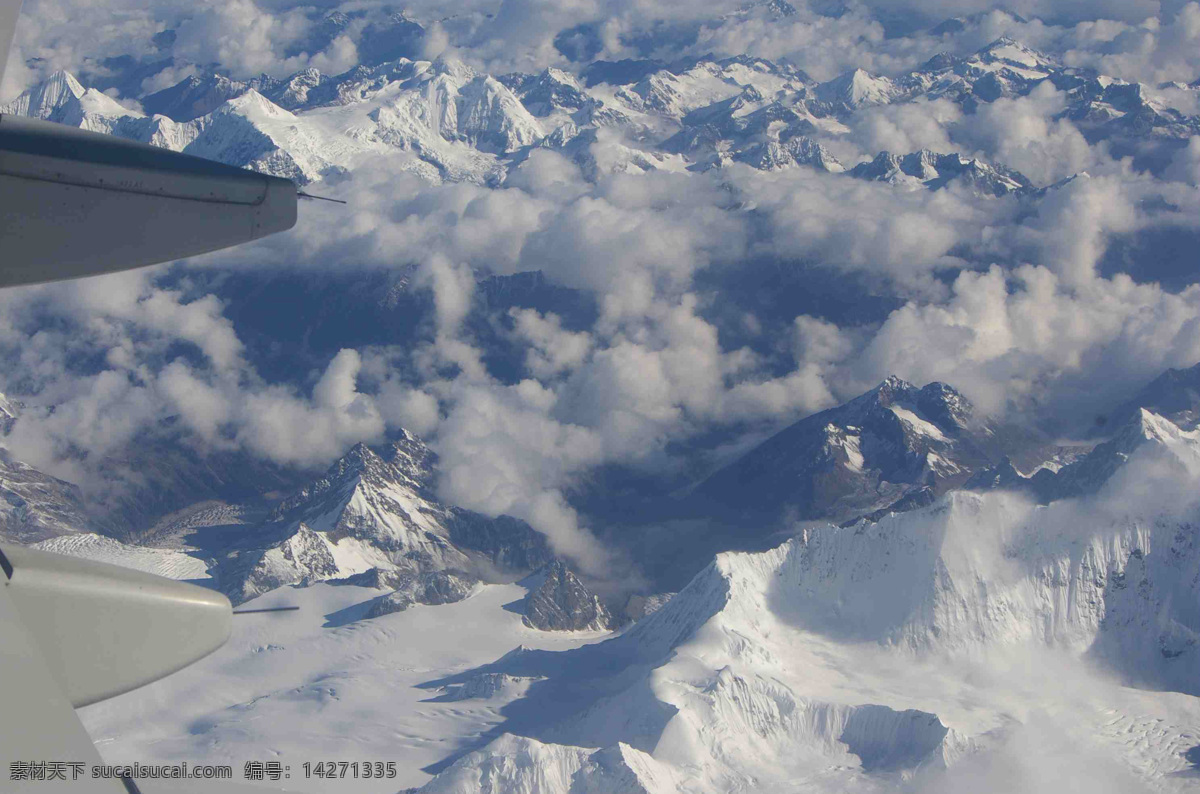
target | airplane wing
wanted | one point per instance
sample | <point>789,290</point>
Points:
<point>74,632</point>
<point>75,203</point>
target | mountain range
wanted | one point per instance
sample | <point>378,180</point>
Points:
<point>445,121</point>
<point>901,592</point>
<point>895,645</point>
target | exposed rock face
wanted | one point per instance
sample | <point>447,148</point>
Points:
<point>863,456</point>
<point>640,606</point>
<point>431,588</point>
<point>303,557</point>
<point>1088,473</point>
<point>1174,395</point>
<point>488,685</point>
<point>562,603</point>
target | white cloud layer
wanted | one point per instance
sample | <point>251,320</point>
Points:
<point>999,297</point>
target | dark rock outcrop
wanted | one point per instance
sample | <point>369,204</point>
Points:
<point>431,588</point>
<point>563,603</point>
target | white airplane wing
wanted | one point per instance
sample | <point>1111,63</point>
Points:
<point>73,632</point>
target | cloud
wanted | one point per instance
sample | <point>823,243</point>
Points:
<point>1028,134</point>
<point>906,127</point>
<point>1000,297</point>
<point>1156,48</point>
<point>1185,165</point>
<point>283,426</point>
<point>101,361</point>
<point>501,452</point>
<point>551,350</point>
<point>1024,341</point>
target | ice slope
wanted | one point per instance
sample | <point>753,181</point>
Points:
<point>980,638</point>
<point>526,766</point>
<point>252,132</point>
<point>918,647</point>
<point>162,562</point>
<point>321,683</point>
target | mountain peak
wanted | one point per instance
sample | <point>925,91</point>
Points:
<point>935,171</point>
<point>892,388</point>
<point>47,98</point>
<point>1149,426</point>
<point>1173,395</point>
<point>1010,51</point>
<point>857,88</point>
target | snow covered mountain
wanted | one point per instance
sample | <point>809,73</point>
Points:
<point>37,506</point>
<point>906,595</point>
<point>905,652</point>
<point>373,512</point>
<point>447,122</point>
<point>774,656</point>
<point>867,454</point>
<point>931,170</point>
<point>1088,473</point>
<point>247,130</point>
<point>1173,395</point>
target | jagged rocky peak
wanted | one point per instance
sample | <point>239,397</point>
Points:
<point>406,462</point>
<point>1090,472</point>
<point>1147,426</point>
<point>561,602</point>
<point>936,402</point>
<point>1004,476</point>
<point>799,150</point>
<point>856,89</point>
<point>35,506</point>
<point>63,99</point>
<point>548,92</point>
<point>295,91</point>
